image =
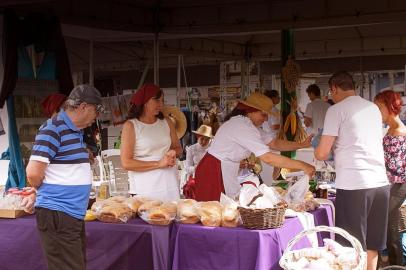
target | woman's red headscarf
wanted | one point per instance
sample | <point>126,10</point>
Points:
<point>52,103</point>
<point>145,93</point>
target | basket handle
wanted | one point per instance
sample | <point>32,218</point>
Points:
<point>283,262</point>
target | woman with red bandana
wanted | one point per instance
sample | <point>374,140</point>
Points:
<point>52,104</point>
<point>235,140</point>
<point>149,146</point>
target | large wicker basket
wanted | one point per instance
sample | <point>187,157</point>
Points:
<point>260,219</point>
<point>286,259</point>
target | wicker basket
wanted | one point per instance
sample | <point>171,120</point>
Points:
<point>260,219</point>
<point>286,259</point>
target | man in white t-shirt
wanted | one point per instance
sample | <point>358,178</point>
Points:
<point>315,110</point>
<point>353,127</point>
<point>272,126</point>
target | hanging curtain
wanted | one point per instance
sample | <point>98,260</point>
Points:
<point>2,132</point>
<point>16,170</point>
<point>10,24</point>
<point>44,32</point>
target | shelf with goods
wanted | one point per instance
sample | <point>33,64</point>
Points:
<point>28,95</point>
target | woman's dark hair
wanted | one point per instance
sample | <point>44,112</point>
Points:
<point>313,88</point>
<point>137,110</point>
<point>271,93</point>
<point>235,112</point>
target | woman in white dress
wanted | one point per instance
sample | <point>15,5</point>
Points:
<point>235,140</point>
<point>149,146</point>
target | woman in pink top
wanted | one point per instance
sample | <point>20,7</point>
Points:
<point>394,144</point>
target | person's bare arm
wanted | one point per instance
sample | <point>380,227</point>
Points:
<point>36,172</point>
<point>126,153</point>
<point>307,121</point>
<point>276,127</point>
<point>283,145</point>
<point>323,150</point>
<point>175,143</point>
<point>284,162</point>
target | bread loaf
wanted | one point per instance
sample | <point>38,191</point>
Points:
<point>134,203</point>
<point>229,216</point>
<point>148,205</point>
<point>115,213</point>
<point>170,208</point>
<point>158,216</point>
<point>187,211</point>
<point>210,213</point>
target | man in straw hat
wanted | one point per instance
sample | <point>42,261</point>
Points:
<point>235,140</point>
<point>149,146</point>
<point>59,167</point>
<point>194,154</point>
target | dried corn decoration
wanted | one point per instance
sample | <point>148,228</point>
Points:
<point>291,75</point>
<point>291,119</point>
<point>293,124</point>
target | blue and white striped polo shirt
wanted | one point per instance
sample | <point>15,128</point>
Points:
<point>68,177</point>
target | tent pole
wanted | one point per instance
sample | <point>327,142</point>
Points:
<point>144,74</point>
<point>156,58</point>
<point>288,49</point>
<point>91,63</point>
<point>178,81</point>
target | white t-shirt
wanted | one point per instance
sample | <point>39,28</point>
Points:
<point>316,110</point>
<point>235,140</point>
<point>194,154</point>
<point>273,119</point>
<point>358,151</point>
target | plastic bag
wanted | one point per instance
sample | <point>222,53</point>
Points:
<point>296,193</point>
<point>160,215</point>
<point>230,217</point>
<point>187,212</point>
<point>271,194</point>
<point>247,193</point>
<point>210,213</point>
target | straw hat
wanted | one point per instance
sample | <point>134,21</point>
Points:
<point>177,117</point>
<point>204,130</point>
<point>259,101</point>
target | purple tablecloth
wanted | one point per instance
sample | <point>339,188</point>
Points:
<point>135,245</point>
<point>200,247</point>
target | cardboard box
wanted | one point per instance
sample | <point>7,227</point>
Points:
<point>8,213</point>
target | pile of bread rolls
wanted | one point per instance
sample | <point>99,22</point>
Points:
<point>119,209</point>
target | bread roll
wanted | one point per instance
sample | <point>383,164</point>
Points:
<point>229,216</point>
<point>210,213</point>
<point>170,208</point>
<point>119,199</point>
<point>115,213</point>
<point>308,195</point>
<point>158,216</point>
<point>148,205</point>
<point>133,203</point>
<point>187,212</point>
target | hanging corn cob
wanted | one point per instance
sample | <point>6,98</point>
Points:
<point>291,119</point>
<point>301,134</point>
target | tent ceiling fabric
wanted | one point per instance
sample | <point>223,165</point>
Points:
<point>209,31</point>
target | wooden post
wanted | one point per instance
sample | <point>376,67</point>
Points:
<point>288,49</point>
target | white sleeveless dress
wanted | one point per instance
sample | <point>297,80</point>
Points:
<point>152,141</point>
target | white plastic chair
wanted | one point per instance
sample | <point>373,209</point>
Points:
<point>118,176</point>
